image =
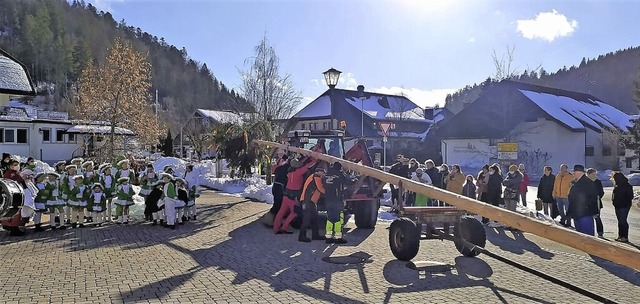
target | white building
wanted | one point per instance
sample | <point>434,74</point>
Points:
<point>551,127</point>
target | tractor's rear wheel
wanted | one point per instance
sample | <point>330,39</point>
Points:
<point>404,239</point>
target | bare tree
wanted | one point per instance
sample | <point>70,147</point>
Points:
<point>504,64</point>
<point>273,96</point>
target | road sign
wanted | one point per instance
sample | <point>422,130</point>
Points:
<point>385,126</point>
<point>508,155</point>
<point>507,147</point>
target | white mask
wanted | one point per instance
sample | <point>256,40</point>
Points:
<point>491,172</point>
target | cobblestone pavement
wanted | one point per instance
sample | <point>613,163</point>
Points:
<point>227,256</point>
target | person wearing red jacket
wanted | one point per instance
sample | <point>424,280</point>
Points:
<point>523,185</point>
<point>293,189</point>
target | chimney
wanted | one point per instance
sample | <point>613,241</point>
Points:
<point>360,91</point>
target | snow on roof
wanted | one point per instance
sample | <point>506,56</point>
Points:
<point>388,107</point>
<point>13,77</point>
<point>579,114</point>
<point>96,129</point>
<point>317,108</point>
<point>221,116</point>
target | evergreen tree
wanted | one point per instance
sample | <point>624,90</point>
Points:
<point>167,147</point>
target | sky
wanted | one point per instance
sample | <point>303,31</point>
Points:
<point>424,49</point>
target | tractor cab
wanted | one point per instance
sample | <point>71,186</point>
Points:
<point>308,139</point>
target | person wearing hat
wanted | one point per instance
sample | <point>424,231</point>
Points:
<point>124,170</point>
<point>512,188</point>
<point>40,200</point>
<point>561,186</point>
<point>124,199</point>
<point>292,191</point>
<point>54,202</point>
<point>170,195</point>
<point>109,189</point>
<point>335,183</point>
<point>182,200</point>
<point>192,178</point>
<point>78,163</point>
<point>312,191</point>
<point>583,201</point>
<point>31,164</point>
<point>97,203</point>
<point>78,196</point>
<point>151,201</point>
<point>90,178</point>
<point>168,169</point>
<point>147,178</point>
<point>65,186</point>
<point>59,169</point>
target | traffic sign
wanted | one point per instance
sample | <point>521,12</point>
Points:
<point>507,147</point>
<point>385,126</point>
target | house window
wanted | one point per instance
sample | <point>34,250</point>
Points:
<point>606,150</point>
<point>22,136</point>
<point>1,135</point>
<point>302,126</point>
<point>60,135</point>
<point>324,126</point>
<point>46,135</point>
<point>315,126</point>
<point>9,136</point>
<point>71,138</point>
<point>589,151</point>
<point>629,163</point>
<point>17,135</point>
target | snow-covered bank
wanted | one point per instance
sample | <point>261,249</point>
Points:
<point>253,188</point>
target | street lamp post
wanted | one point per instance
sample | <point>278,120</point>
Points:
<point>331,77</point>
<point>361,96</point>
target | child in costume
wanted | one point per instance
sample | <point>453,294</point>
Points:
<point>109,188</point>
<point>90,178</point>
<point>98,203</point>
<point>170,197</point>
<point>54,201</point>
<point>151,203</point>
<point>31,164</point>
<point>78,196</point>
<point>124,170</point>
<point>78,163</point>
<point>124,199</point>
<point>193,181</point>
<point>147,180</point>
<point>66,184</point>
<point>181,201</point>
<point>40,201</point>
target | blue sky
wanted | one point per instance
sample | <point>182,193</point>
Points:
<point>422,48</point>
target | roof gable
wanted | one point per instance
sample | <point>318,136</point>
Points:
<point>14,78</point>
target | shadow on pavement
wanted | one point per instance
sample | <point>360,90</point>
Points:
<point>469,272</point>
<point>290,265</point>
<point>628,274</point>
<point>516,243</point>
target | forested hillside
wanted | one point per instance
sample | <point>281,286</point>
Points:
<point>56,39</point>
<point>609,77</point>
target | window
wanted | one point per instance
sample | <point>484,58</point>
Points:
<point>315,126</point>
<point>606,150</point>
<point>71,137</point>
<point>324,126</point>
<point>621,150</point>
<point>589,151</point>
<point>22,136</point>
<point>302,126</point>
<point>60,135</point>
<point>629,162</point>
<point>16,136</point>
<point>46,135</point>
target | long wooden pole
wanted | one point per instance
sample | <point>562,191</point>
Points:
<point>607,250</point>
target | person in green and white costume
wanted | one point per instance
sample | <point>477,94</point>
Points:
<point>54,201</point>
<point>40,200</point>
<point>109,188</point>
<point>78,196</point>
<point>148,179</point>
<point>78,163</point>
<point>124,170</point>
<point>124,199</point>
<point>31,164</point>
<point>170,196</point>
<point>67,182</point>
<point>181,200</point>
<point>90,178</point>
<point>97,203</point>
<point>59,168</point>
<point>193,181</point>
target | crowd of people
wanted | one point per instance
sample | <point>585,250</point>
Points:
<point>79,193</point>
<point>570,196</point>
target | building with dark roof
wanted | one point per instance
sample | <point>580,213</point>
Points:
<point>551,127</point>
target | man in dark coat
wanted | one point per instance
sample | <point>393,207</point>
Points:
<point>335,183</point>
<point>545,192</point>
<point>583,201</point>
<point>400,168</point>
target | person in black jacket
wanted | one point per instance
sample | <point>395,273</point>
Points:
<point>583,201</point>
<point>400,168</point>
<point>593,175</point>
<point>494,188</point>
<point>545,191</point>
<point>622,197</point>
<point>334,185</point>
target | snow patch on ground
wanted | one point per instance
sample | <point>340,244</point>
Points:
<point>253,188</point>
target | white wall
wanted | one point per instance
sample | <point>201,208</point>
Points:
<point>49,152</point>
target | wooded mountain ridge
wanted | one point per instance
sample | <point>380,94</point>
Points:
<point>610,77</point>
<point>56,39</point>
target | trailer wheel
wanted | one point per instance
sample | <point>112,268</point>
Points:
<point>471,230</point>
<point>404,239</point>
<point>366,214</point>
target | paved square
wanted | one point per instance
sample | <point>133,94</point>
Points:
<point>228,256</point>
